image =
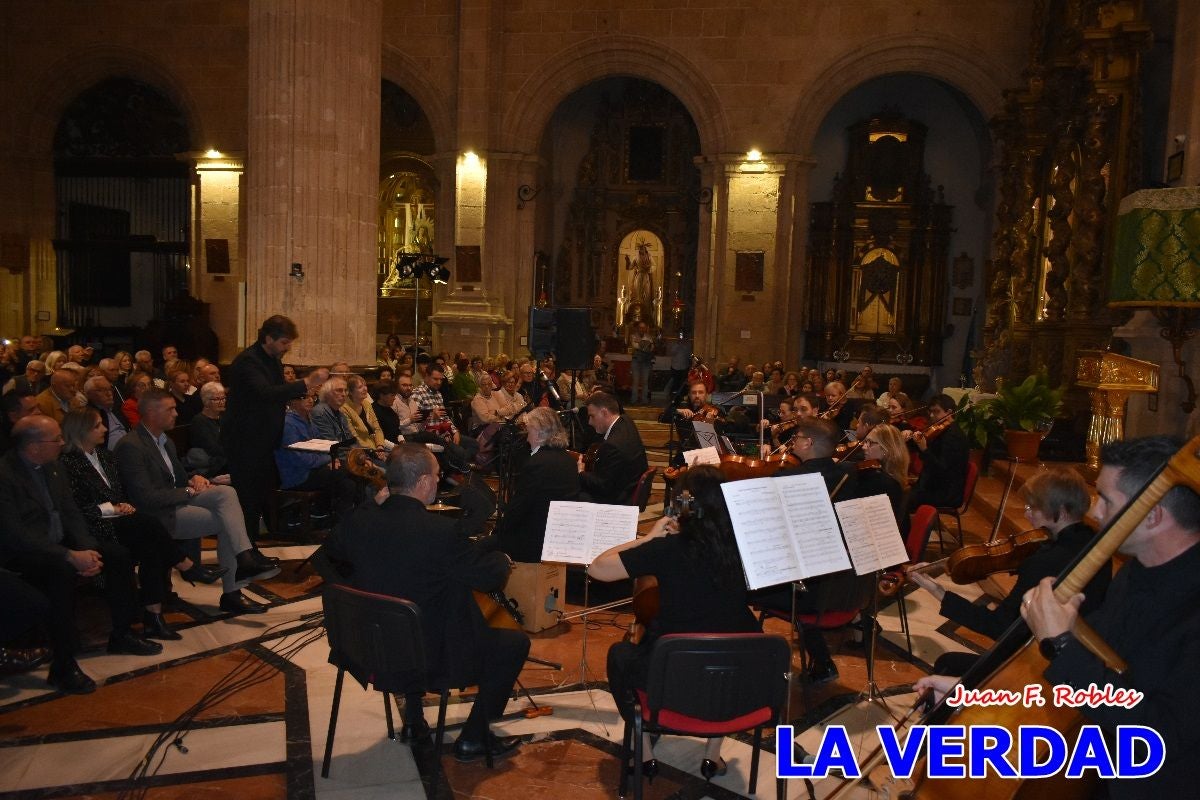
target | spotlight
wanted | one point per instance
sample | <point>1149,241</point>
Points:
<point>405,264</point>
<point>439,274</point>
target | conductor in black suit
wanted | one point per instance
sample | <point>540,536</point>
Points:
<point>253,422</point>
<point>621,457</point>
<point>400,549</point>
<point>549,474</point>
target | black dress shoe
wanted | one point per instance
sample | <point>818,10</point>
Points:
<point>14,660</point>
<point>237,603</point>
<point>417,733</point>
<point>467,751</point>
<point>823,673</point>
<point>130,644</point>
<point>155,627</point>
<point>262,557</point>
<point>70,679</point>
<point>198,573</point>
<point>251,569</point>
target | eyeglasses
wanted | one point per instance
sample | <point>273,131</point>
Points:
<point>57,440</point>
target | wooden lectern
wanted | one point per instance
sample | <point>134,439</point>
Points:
<point>1111,378</point>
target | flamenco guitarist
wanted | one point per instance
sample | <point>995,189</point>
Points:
<point>620,458</point>
<point>1149,617</point>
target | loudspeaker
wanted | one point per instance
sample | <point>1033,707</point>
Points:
<point>576,340</point>
<point>541,332</point>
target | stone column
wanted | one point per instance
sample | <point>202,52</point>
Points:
<point>216,203</point>
<point>313,173</point>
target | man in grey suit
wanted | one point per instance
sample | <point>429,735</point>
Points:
<point>190,508</point>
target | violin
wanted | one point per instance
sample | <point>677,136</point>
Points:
<point>835,407</point>
<point>973,562</point>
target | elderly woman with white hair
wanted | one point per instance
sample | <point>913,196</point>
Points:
<point>549,474</point>
<point>205,455</point>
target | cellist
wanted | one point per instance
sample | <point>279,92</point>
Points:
<point>1149,617</point>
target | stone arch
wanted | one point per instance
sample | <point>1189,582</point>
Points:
<point>943,58</point>
<point>403,71</point>
<point>611,57</point>
<point>70,76</point>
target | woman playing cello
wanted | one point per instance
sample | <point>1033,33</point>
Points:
<point>702,590</point>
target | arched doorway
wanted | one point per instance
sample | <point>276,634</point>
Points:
<point>620,231</point>
<point>122,201</point>
<point>408,207</point>
<point>900,229</point>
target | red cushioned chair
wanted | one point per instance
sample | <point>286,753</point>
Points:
<point>709,685</point>
<point>920,528</point>
<point>839,598</point>
<point>641,490</point>
<point>958,511</point>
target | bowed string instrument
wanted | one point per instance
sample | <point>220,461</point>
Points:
<point>1015,662</point>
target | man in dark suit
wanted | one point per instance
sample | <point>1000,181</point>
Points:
<point>400,549</point>
<point>253,422</point>
<point>621,458</point>
<point>45,539</point>
<point>190,508</point>
<point>101,396</point>
<point>549,474</point>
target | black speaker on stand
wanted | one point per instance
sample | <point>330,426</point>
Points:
<point>575,339</point>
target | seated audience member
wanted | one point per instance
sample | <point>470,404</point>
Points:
<point>191,508</point>
<point>485,408</point>
<point>431,405</point>
<point>124,361</point>
<point>62,396</point>
<point>327,415</point>
<point>17,404</point>
<point>187,399</point>
<point>621,458</point>
<point>306,471</point>
<point>509,400</point>
<point>894,387</point>
<point>204,371</point>
<point>400,549</point>
<point>100,496</point>
<point>45,539</point>
<point>289,373</point>
<point>1055,501</point>
<point>144,362</point>
<point>383,397</point>
<point>54,360</point>
<point>25,608</point>
<point>206,454</point>
<point>139,382</point>
<point>548,475</point>
<point>109,370</point>
<point>100,395</point>
<point>34,379</point>
<point>360,416</point>
<point>701,590</point>
<point>407,415</point>
<point>864,385</point>
<point>464,384</point>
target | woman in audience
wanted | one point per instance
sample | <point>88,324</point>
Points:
<point>391,353</point>
<point>383,397</point>
<point>510,401</point>
<point>359,413</point>
<point>54,360</point>
<point>289,373</point>
<point>206,456</point>
<point>701,590</point>
<point>187,400</point>
<point>138,383</point>
<point>124,361</point>
<point>791,385</point>
<point>96,484</point>
<point>894,387</point>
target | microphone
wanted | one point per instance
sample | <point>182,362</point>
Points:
<point>550,387</point>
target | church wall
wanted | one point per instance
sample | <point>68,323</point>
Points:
<point>1184,116</point>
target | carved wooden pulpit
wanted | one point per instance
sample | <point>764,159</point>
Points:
<point>1111,378</point>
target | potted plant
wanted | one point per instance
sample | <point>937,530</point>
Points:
<point>1026,411</point>
<point>979,425</point>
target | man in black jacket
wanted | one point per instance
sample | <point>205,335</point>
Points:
<point>253,421</point>
<point>400,549</point>
<point>45,539</point>
<point>102,397</point>
<point>621,458</point>
<point>944,474</point>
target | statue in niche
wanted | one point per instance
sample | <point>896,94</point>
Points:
<point>641,283</point>
<point>622,304</point>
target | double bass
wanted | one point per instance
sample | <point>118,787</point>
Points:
<point>1015,662</point>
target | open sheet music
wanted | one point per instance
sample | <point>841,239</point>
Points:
<point>578,532</point>
<point>706,434</point>
<point>785,529</point>
<point>869,526</point>
<point>313,445</point>
<point>701,455</point>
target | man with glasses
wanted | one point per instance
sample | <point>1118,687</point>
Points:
<point>398,548</point>
<point>33,380</point>
<point>102,397</point>
<point>45,539</point>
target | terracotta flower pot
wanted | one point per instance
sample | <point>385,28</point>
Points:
<point>1023,445</point>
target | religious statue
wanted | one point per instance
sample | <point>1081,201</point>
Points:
<point>622,304</point>
<point>641,285</point>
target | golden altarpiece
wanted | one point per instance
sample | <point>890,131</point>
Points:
<point>878,252</point>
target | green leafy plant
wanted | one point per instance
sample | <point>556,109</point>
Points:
<point>977,422</point>
<point>1028,406</point>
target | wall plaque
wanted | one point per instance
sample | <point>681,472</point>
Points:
<point>216,256</point>
<point>748,275</point>
<point>467,263</point>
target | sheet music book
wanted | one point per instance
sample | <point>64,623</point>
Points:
<point>785,529</point>
<point>869,527</point>
<point>701,455</point>
<point>313,445</point>
<point>706,434</point>
<point>578,532</point>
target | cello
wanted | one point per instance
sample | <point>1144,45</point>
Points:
<point>1015,662</point>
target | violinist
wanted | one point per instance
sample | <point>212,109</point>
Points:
<point>1148,617</point>
<point>838,407</point>
<point>698,409</point>
<point>944,459</point>
<point>884,444</point>
<point>1055,501</point>
<point>901,411</point>
<point>701,590</point>
<point>869,416</point>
